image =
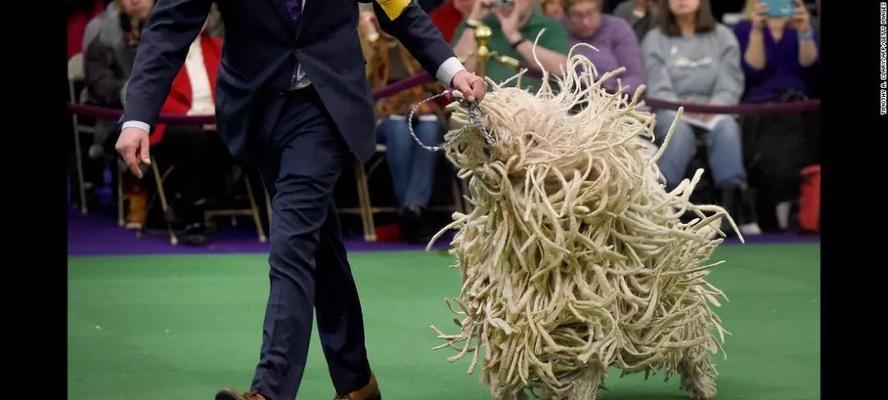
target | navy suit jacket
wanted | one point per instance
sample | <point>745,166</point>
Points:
<point>260,50</point>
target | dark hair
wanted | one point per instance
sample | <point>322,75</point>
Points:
<point>666,20</point>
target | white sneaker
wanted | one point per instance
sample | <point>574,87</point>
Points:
<point>782,210</point>
<point>750,229</point>
<point>96,151</point>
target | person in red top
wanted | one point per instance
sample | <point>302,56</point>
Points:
<point>448,16</point>
<point>181,99</point>
<point>192,148</point>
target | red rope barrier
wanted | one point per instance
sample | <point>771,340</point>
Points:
<point>743,109</point>
<point>423,77</point>
<point>405,84</point>
<point>115,113</point>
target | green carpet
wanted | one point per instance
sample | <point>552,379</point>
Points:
<point>181,327</point>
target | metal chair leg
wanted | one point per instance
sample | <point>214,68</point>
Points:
<point>364,201</point>
<point>120,212</point>
<point>255,210</point>
<point>158,179</point>
<point>267,203</point>
<point>78,155</point>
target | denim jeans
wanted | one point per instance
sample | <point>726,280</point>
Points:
<point>724,150</point>
<point>412,167</point>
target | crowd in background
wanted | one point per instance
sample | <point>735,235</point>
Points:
<point>689,51</point>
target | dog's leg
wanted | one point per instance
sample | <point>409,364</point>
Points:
<point>519,395</point>
<point>697,374</point>
<point>587,387</point>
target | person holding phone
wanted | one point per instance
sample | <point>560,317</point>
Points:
<point>789,42</point>
<point>780,62</point>
<point>515,25</point>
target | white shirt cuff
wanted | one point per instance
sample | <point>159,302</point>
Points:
<point>137,124</point>
<point>447,70</point>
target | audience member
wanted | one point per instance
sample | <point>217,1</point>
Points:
<point>612,36</point>
<point>448,15</point>
<point>412,167</point>
<point>194,150</point>
<point>553,8</point>
<point>108,60</point>
<point>779,57</point>
<point>515,28</point>
<point>690,57</point>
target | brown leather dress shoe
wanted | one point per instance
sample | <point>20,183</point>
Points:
<point>231,394</point>
<point>368,392</point>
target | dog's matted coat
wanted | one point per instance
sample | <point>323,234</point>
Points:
<point>574,257</point>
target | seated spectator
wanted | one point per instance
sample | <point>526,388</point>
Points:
<point>553,8</point>
<point>193,149</point>
<point>780,58</point>
<point>612,36</point>
<point>109,57</point>
<point>640,14</point>
<point>108,60</point>
<point>412,167</point>
<point>778,53</point>
<point>515,28</point>
<point>689,57</point>
<point>448,15</point>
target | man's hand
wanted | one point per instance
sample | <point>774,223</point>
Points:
<point>472,86</point>
<point>133,147</point>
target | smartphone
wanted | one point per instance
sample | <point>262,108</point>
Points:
<point>780,8</point>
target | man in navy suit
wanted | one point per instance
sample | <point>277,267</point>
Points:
<point>292,97</point>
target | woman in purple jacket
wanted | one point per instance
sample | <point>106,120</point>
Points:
<point>779,53</point>
<point>612,36</point>
<point>780,58</point>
